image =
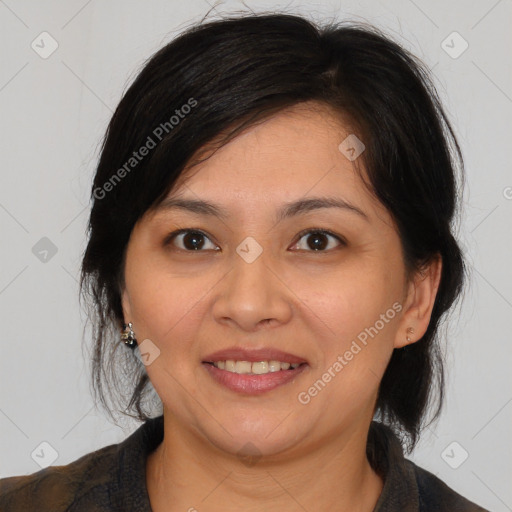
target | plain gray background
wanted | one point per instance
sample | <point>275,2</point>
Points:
<point>54,112</point>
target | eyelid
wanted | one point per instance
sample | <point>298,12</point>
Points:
<point>174,234</point>
<point>322,231</point>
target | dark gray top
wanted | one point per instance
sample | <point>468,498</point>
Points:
<point>114,478</point>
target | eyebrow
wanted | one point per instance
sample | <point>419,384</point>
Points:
<point>288,210</point>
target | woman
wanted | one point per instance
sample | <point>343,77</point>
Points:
<point>271,236</point>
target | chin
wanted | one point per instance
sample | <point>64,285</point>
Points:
<point>262,437</point>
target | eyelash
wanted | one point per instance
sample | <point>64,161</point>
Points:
<point>171,236</point>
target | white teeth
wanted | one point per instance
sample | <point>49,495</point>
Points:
<point>243,367</point>
<point>260,368</point>
<point>257,368</point>
<point>274,366</point>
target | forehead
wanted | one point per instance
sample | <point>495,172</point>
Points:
<point>274,164</point>
<point>290,153</point>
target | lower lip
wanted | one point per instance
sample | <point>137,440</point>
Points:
<point>253,384</point>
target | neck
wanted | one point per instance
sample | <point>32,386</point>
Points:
<point>186,472</point>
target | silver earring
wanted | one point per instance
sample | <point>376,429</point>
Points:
<point>128,336</point>
<point>410,330</point>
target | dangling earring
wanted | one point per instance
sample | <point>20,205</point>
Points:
<point>410,330</point>
<point>128,336</point>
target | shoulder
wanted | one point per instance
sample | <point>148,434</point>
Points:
<point>111,478</point>
<point>80,485</point>
<point>435,495</point>
<point>407,486</point>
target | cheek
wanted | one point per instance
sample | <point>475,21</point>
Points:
<point>352,299</point>
<point>356,310</point>
<point>168,310</point>
<point>165,307</point>
<point>161,303</point>
<point>356,329</point>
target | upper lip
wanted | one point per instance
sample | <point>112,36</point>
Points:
<point>253,355</point>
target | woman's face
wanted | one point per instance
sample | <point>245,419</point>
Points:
<point>335,302</point>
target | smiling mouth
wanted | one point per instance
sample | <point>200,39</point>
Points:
<point>254,368</point>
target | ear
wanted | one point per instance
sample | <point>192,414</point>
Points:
<point>125,303</point>
<point>421,294</point>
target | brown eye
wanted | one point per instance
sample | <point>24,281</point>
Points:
<point>317,240</point>
<point>191,240</point>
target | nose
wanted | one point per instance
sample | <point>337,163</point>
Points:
<point>253,295</point>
